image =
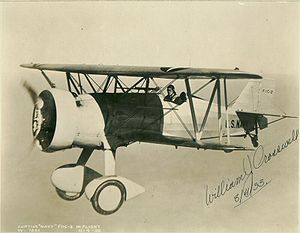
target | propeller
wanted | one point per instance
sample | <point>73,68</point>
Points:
<point>37,102</point>
<point>31,91</point>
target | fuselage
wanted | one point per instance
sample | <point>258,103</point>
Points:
<point>66,120</point>
<point>173,126</point>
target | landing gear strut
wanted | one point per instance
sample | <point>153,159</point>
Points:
<point>254,137</point>
<point>254,140</point>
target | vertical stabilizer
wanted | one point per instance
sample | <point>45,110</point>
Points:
<point>257,97</point>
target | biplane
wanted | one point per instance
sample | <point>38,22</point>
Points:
<point>108,114</point>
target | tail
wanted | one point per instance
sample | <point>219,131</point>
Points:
<point>257,97</point>
<point>254,105</point>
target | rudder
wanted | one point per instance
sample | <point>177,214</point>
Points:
<point>257,97</point>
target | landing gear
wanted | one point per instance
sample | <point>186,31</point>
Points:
<point>69,180</point>
<point>253,137</point>
<point>109,197</point>
<point>106,193</point>
<point>254,140</point>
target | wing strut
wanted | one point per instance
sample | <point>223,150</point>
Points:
<point>75,83</point>
<point>70,80</point>
<point>89,81</point>
<point>207,112</point>
<point>52,85</point>
<point>200,88</point>
<point>226,108</point>
<point>219,109</point>
<point>107,84</point>
<point>79,83</point>
<point>190,97</point>
<point>134,85</point>
<point>217,88</point>
<point>119,84</point>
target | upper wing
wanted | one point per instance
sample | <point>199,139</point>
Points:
<point>144,71</point>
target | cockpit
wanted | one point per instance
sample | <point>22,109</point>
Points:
<point>173,97</point>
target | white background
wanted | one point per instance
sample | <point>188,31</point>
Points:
<point>259,38</point>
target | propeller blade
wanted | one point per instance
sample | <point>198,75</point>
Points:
<point>38,103</point>
<point>31,91</point>
<point>28,152</point>
<point>32,145</point>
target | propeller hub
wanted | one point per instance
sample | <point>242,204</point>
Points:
<point>37,119</point>
<point>44,119</point>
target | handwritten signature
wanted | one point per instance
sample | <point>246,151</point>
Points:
<point>249,185</point>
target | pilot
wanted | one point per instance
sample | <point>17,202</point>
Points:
<point>180,99</point>
<point>172,97</point>
<point>171,94</point>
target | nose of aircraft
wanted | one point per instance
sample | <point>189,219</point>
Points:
<point>61,120</point>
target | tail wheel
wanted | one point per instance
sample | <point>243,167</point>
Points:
<point>67,195</point>
<point>109,197</point>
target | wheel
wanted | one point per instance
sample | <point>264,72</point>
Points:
<point>68,196</point>
<point>109,197</point>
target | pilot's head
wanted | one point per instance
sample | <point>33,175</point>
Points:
<point>171,90</point>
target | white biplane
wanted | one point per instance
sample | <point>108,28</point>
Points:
<point>105,115</point>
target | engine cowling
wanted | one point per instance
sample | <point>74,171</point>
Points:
<point>62,120</point>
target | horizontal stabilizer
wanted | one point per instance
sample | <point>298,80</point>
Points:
<point>250,120</point>
<point>269,114</point>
